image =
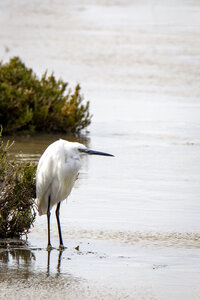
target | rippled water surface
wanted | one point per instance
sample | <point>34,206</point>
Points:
<point>135,217</point>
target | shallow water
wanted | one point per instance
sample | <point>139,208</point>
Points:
<point>99,269</point>
<point>135,216</point>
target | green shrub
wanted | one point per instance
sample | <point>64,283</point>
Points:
<point>28,104</point>
<point>17,193</point>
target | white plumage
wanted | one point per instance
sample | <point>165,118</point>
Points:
<point>56,173</point>
<point>55,176</point>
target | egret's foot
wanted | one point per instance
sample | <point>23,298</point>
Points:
<point>62,247</point>
<point>49,247</point>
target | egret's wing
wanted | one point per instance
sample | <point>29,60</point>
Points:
<point>46,177</point>
<point>56,172</point>
<point>44,174</point>
<point>47,180</point>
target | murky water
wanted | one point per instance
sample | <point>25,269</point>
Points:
<point>135,217</point>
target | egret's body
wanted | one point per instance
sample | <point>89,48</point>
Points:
<point>56,173</point>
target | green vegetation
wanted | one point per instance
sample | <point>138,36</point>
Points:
<point>28,104</point>
<point>17,193</point>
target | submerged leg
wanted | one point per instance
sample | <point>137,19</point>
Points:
<point>59,228</point>
<point>49,247</point>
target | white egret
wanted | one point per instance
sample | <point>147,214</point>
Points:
<point>56,173</point>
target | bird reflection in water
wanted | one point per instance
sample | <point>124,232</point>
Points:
<point>58,264</point>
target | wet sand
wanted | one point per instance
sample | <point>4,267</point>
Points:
<point>99,269</point>
<point>135,218</point>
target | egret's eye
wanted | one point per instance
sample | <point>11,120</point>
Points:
<point>81,150</point>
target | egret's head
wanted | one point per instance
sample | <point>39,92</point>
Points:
<point>75,149</point>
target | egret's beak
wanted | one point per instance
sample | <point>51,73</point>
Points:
<point>92,152</point>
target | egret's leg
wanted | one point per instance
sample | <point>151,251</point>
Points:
<point>48,224</point>
<point>48,262</point>
<point>59,228</point>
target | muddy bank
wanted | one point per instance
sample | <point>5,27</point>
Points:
<point>93,269</point>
